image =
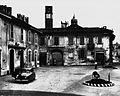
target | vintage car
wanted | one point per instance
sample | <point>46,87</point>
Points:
<point>24,74</point>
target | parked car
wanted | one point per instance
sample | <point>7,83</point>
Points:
<point>24,74</point>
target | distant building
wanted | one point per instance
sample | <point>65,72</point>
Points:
<point>18,41</point>
<point>74,44</point>
<point>116,52</point>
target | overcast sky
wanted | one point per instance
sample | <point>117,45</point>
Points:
<point>90,13</point>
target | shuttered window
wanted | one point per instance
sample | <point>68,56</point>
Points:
<point>82,41</point>
<point>56,40</point>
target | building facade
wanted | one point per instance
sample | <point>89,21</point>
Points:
<point>75,45</point>
<point>18,41</point>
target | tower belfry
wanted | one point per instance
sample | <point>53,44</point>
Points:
<point>48,17</point>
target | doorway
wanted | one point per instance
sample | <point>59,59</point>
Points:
<point>11,61</point>
<point>43,58</point>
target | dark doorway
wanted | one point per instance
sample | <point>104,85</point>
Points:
<point>11,61</point>
<point>21,59</point>
<point>81,53</point>
<point>100,58</point>
<point>43,58</point>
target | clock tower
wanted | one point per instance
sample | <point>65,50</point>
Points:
<point>48,17</point>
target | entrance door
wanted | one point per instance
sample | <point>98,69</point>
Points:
<point>43,58</point>
<point>11,61</point>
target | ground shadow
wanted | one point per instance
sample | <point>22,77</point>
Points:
<point>33,93</point>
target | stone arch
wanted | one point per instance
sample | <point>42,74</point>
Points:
<point>57,57</point>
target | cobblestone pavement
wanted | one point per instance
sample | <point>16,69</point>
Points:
<point>66,80</point>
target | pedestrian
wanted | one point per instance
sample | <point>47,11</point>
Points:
<point>95,65</point>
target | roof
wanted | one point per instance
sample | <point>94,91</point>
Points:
<point>76,30</point>
<point>18,22</point>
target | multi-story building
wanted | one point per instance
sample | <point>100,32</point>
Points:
<point>18,41</point>
<point>74,44</point>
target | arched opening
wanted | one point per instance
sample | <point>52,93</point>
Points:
<point>29,55</point>
<point>57,57</point>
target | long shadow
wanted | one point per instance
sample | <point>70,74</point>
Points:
<point>19,82</point>
<point>32,93</point>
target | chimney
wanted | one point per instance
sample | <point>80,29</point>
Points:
<point>18,16</point>
<point>9,10</point>
<point>64,25</point>
<point>26,19</point>
<point>6,10</point>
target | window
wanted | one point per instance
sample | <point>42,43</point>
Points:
<point>81,40</point>
<point>48,16</point>
<point>21,34</point>
<point>56,40</point>
<point>29,36</point>
<point>11,34</point>
<point>42,41</point>
<point>90,40</point>
<point>99,40</point>
<point>70,40</point>
<point>36,38</point>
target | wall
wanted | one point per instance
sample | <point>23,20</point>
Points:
<point>4,30</point>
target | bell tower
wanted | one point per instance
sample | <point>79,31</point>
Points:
<point>48,17</point>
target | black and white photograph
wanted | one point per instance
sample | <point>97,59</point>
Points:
<point>59,48</point>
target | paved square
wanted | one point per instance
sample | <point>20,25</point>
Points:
<point>67,80</point>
